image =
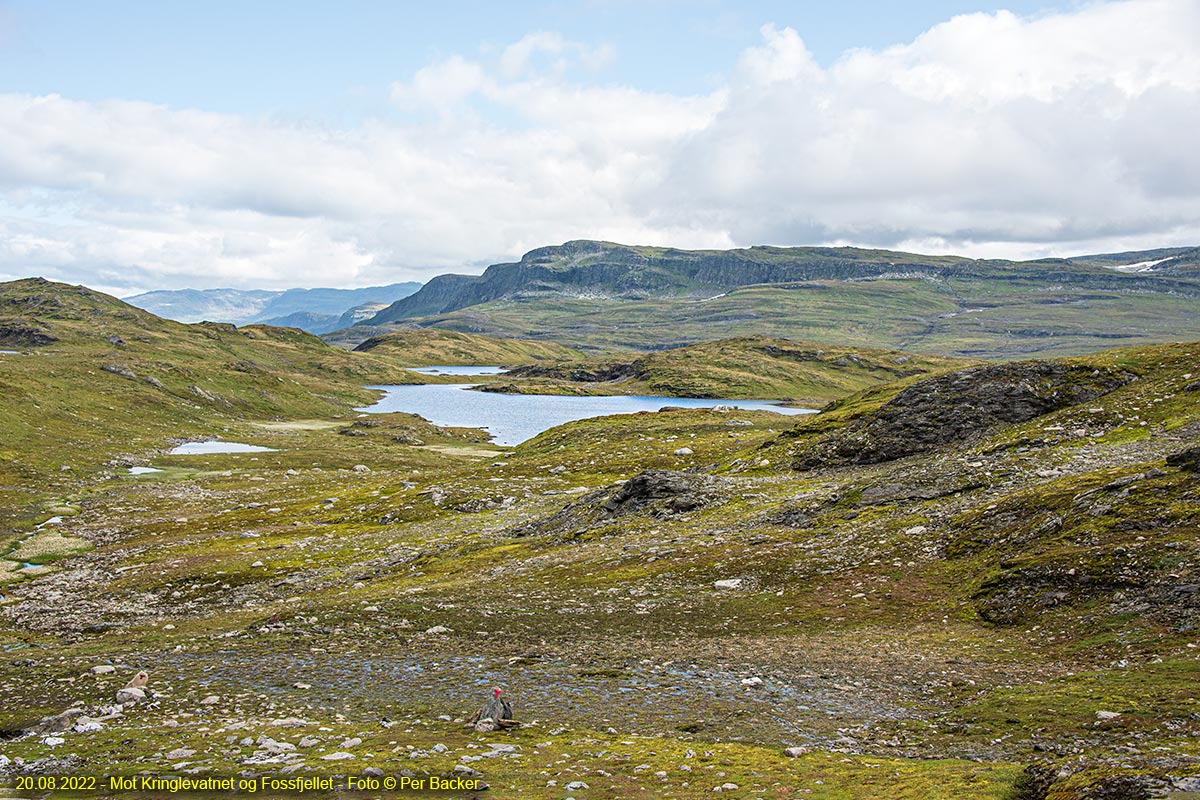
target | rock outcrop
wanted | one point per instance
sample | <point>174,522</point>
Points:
<point>655,492</point>
<point>958,407</point>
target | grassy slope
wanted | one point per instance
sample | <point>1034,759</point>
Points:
<point>65,414</point>
<point>750,367</point>
<point>424,348</point>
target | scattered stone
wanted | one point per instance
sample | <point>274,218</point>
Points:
<point>290,722</point>
<point>211,700</point>
<point>729,583</point>
<point>54,723</point>
<point>180,754</point>
<point>274,747</point>
<point>103,669</point>
<point>339,756</point>
<point>130,694</point>
<point>438,630</point>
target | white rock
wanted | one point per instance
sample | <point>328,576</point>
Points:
<point>273,747</point>
<point>1104,715</point>
<point>130,694</point>
<point>103,669</point>
<point>438,629</point>
<point>211,700</point>
<point>361,468</point>
<point>795,752</point>
<point>351,742</point>
<point>53,740</point>
<point>755,681</point>
<point>91,726</point>
<point>916,530</point>
<point>180,753</point>
<point>337,756</point>
<point>684,451</point>
<point>728,583</point>
<point>576,785</point>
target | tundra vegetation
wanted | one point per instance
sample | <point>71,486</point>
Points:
<point>962,579</point>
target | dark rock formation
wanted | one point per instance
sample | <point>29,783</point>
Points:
<point>21,333</point>
<point>656,492</point>
<point>958,407</point>
<point>1187,460</point>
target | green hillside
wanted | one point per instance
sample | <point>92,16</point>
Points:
<point>96,380</point>
<point>425,347</point>
<point>755,367</point>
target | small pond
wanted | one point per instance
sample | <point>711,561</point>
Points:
<point>458,370</point>
<point>214,447</point>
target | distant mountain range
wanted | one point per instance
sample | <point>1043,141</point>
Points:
<point>313,310</point>
<point>603,296</point>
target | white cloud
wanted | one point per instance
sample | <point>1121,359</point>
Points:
<point>989,134</point>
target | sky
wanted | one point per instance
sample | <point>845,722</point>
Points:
<point>148,145</point>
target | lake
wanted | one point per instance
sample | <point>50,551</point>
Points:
<point>214,447</point>
<point>513,418</point>
<point>457,370</point>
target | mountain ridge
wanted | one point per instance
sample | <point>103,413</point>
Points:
<point>639,271</point>
<point>326,305</point>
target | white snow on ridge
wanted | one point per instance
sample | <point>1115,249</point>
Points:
<point>1141,266</point>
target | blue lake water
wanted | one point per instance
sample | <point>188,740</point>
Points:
<point>513,418</point>
<point>458,370</point>
<point>212,448</point>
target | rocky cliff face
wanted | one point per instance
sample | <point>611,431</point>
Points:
<point>582,268</point>
<point>958,407</point>
<point>617,270</point>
